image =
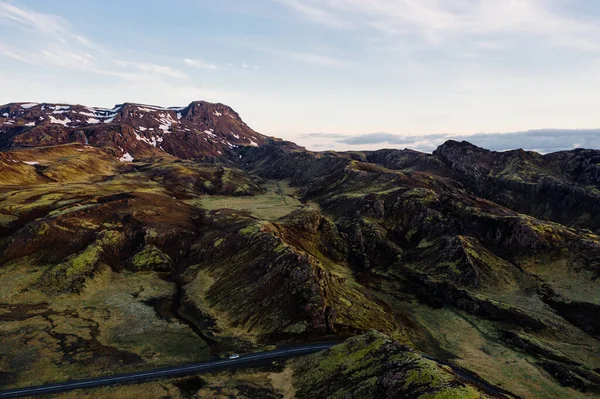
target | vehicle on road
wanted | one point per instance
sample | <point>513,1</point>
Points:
<point>234,356</point>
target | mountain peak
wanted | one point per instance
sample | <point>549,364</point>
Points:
<point>200,130</point>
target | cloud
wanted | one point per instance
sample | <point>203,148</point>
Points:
<point>45,23</point>
<point>153,68</point>
<point>50,41</point>
<point>313,12</point>
<point>285,53</point>
<point>318,59</point>
<point>199,64</point>
<point>376,138</point>
<point>437,21</point>
<point>541,140</point>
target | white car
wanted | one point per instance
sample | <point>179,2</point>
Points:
<point>234,356</point>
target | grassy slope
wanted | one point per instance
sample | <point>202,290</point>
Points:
<point>93,246</point>
<point>367,366</point>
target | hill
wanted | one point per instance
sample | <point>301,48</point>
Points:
<point>142,236</point>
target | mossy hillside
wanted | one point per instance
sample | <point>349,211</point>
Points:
<point>560,187</point>
<point>509,269</point>
<point>70,276</point>
<point>463,261</point>
<point>276,201</point>
<point>188,178</point>
<point>310,293</point>
<point>372,365</point>
<point>63,163</point>
<point>64,227</point>
<point>110,327</point>
<point>491,242</point>
<point>477,345</point>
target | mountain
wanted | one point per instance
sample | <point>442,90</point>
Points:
<point>125,248</point>
<point>199,131</point>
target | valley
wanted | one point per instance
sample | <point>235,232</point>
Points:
<point>210,244</point>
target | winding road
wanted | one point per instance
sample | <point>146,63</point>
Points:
<point>177,371</point>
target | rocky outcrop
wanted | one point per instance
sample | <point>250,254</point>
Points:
<point>374,366</point>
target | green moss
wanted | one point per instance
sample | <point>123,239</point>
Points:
<point>280,248</point>
<point>151,258</point>
<point>43,229</point>
<point>250,230</point>
<point>70,275</point>
<point>218,242</point>
<point>425,244</point>
<point>6,220</point>
<point>452,267</point>
<point>355,368</point>
<point>298,328</point>
<point>410,233</point>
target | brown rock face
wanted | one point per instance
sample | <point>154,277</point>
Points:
<point>199,131</point>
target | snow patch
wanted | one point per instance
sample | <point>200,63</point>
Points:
<point>30,124</point>
<point>93,120</point>
<point>153,141</point>
<point>235,135</point>
<point>217,113</point>
<point>5,115</point>
<point>63,122</point>
<point>29,105</point>
<point>126,158</point>
<point>90,114</point>
<point>210,133</point>
<point>31,162</point>
<point>143,129</point>
<point>166,120</point>
<point>109,120</point>
<point>179,115</point>
<point>147,109</point>
<point>165,128</point>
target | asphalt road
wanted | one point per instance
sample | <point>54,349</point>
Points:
<point>177,371</point>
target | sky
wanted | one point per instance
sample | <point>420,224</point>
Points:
<point>327,74</point>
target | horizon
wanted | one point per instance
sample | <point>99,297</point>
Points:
<point>542,141</point>
<point>329,75</point>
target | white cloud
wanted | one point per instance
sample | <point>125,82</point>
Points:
<point>313,12</point>
<point>541,140</point>
<point>199,64</point>
<point>44,23</point>
<point>437,21</point>
<point>318,59</point>
<point>153,68</point>
<point>50,41</point>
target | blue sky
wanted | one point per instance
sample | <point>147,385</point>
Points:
<point>340,74</point>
